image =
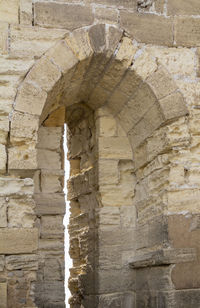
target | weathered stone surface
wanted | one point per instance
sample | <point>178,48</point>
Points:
<point>147,28</point>
<point>109,16</point>
<point>186,31</point>
<point>3,295</point>
<point>52,226</point>
<point>4,38</point>
<point>183,7</point>
<point>50,204</point>
<point>114,148</point>
<point>3,158</point>
<point>50,138</point>
<point>9,13</point>
<point>51,182</point>
<point>22,157</point>
<point>3,213</point>
<point>25,262</point>
<point>15,241</point>
<point>30,99</point>
<point>48,159</point>
<point>20,213</point>
<point>26,12</point>
<point>173,106</point>
<point>61,15</point>
<point>10,186</point>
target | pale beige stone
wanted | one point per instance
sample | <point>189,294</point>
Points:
<point>14,66</point>
<point>62,56</point>
<point>3,158</point>
<point>22,157</point>
<point>21,213</point>
<point>3,38</point>
<point>3,294</point>
<point>3,213</point>
<point>126,51</point>
<point>56,118</point>
<point>31,98</point>
<point>145,64</point>
<point>48,159</point>
<point>9,12</point>
<point>178,200</point>
<point>186,31</point>
<point>44,73</point>
<point>26,12</point>
<point>108,171</point>
<point>26,239</point>
<point>106,126</point>
<point>30,42</point>
<point>114,148</point>
<point>25,262</point>
<point>161,83</point>
<point>105,15</point>
<point>51,182</point>
<point>50,138</point>
<point>173,106</point>
<point>52,227</point>
<point>182,7</point>
<point>177,174</point>
<point>23,127</point>
<point>10,186</point>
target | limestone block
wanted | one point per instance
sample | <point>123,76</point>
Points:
<point>97,38</point>
<point>105,15</point>
<point>186,31</point>
<point>53,269</point>
<point>10,186</point>
<point>108,171</point>
<point>52,227</point>
<point>14,66</point>
<point>3,137</point>
<point>23,127</point>
<point>2,263</point>
<point>22,157</point>
<point>62,15</point>
<point>145,127</point>
<point>178,61</point>
<point>109,216</point>
<point>49,245</point>
<point>178,200</point>
<point>30,98</point>
<point>32,42</point>
<point>26,12</point>
<point>136,108</point>
<point>50,138</point>
<point>9,12</point>
<point>182,7</point>
<point>3,213</point>
<point>48,159</point>
<point>24,262</point>
<point>148,28</point>
<point>15,241</point>
<point>118,3</point>
<point>21,213</point>
<point>106,126</point>
<point>62,56</point>
<point>128,216</point>
<point>110,257</point>
<point>173,106</point>
<point>51,182</point>
<point>114,36</point>
<point>3,158</point>
<point>44,73</point>
<point>177,174</point>
<point>3,294</point>
<point>114,148</point>
<point>161,83</point>
<point>50,204</point>
<point>3,38</point>
<point>145,64</point>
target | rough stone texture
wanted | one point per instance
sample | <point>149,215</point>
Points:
<point>134,178</point>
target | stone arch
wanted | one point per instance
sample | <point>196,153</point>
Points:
<point>90,69</point>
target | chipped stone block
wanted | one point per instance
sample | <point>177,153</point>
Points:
<point>114,148</point>
<point>52,227</point>
<point>50,204</point>
<point>48,159</point>
<point>50,138</point>
<point>15,241</point>
<point>173,106</point>
<point>3,294</point>
<point>186,31</point>
<point>21,212</point>
<point>26,12</point>
<point>22,157</point>
<point>52,182</point>
<point>10,186</point>
<point>9,13</point>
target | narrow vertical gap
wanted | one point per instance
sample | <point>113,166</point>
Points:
<point>68,261</point>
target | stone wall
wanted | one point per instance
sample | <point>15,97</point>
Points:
<point>124,77</point>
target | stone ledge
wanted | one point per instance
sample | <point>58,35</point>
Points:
<point>163,257</point>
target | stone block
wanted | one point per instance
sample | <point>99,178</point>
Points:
<point>52,227</point>
<point>107,126</point>
<point>12,186</point>
<point>9,13</point>
<point>117,3</point>
<point>183,7</point>
<point>30,99</point>
<point>50,138</point>
<point>105,15</point>
<point>3,38</point>
<point>53,269</point>
<point>15,241</point>
<point>62,56</point>
<point>20,212</point>
<point>3,294</point>
<point>50,204</point>
<point>56,118</point>
<point>114,148</point>
<point>173,106</point>
<point>144,65</point>
<point>62,15</point>
<point>186,31</point>
<point>32,42</point>
<point>2,263</point>
<point>3,213</point>
<point>23,127</point>
<point>52,182</point>
<point>148,28</point>
<point>161,83</point>
<point>3,158</point>
<point>48,159</point>
<point>44,73</point>
<point>22,157</point>
<point>22,262</point>
<point>26,12</point>
<point>97,36</point>
<point>108,171</point>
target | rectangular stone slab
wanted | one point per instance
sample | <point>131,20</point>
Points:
<point>15,241</point>
<point>3,295</point>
